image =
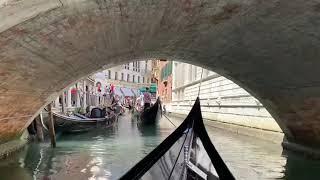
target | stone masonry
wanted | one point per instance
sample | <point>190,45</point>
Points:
<point>270,48</point>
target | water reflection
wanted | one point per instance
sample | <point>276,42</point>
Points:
<point>298,167</point>
<point>148,131</point>
<point>109,153</point>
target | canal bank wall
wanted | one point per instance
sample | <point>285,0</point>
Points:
<point>263,134</point>
<point>10,147</point>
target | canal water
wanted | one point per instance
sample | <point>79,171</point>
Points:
<point>107,154</point>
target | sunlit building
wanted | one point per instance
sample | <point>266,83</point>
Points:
<point>134,75</point>
<point>165,81</point>
<point>222,100</point>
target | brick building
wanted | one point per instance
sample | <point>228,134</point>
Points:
<point>165,81</point>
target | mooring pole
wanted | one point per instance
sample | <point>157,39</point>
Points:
<point>63,104</point>
<point>51,126</point>
<point>39,129</point>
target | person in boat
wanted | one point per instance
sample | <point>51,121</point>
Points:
<point>130,103</point>
<point>114,102</point>
<point>139,103</point>
<point>111,91</point>
<point>147,98</point>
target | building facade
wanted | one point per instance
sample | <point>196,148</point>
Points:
<point>165,81</point>
<point>91,91</point>
<point>221,99</point>
<point>135,75</point>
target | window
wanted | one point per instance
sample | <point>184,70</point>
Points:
<point>128,77</point>
<point>148,80</point>
<point>143,79</point>
<point>138,79</point>
<point>109,74</point>
<point>116,76</point>
<point>133,76</point>
<point>127,66</point>
<point>122,76</point>
<point>136,66</point>
<point>133,65</point>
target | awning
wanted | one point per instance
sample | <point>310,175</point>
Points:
<point>136,92</point>
<point>117,91</point>
<point>127,92</point>
<point>74,91</point>
<point>153,88</point>
<point>142,89</point>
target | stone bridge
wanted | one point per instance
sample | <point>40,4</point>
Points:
<point>270,48</point>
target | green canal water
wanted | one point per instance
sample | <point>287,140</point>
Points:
<point>107,154</point>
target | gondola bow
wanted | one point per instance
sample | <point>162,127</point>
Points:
<point>187,153</point>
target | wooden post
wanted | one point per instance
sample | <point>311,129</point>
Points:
<point>84,102</point>
<point>63,104</point>
<point>39,129</point>
<point>51,126</point>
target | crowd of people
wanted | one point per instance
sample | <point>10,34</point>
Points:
<point>142,101</point>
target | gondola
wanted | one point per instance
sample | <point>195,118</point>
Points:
<point>186,154</point>
<point>77,123</point>
<point>150,116</point>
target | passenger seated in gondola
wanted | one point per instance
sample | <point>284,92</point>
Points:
<point>104,112</point>
<point>96,113</point>
<point>147,98</point>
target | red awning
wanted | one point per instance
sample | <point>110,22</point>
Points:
<point>73,91</point>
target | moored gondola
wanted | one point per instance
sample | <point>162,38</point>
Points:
<point>186,154</point>
<point>150,116</point>
<point>77,123</point>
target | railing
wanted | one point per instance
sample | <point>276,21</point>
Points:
<point>215,98</point>
<point>128,84</point>
<point>196,82</point>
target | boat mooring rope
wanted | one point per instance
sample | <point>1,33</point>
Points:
<point>169,120</point>
<point>43,125</point>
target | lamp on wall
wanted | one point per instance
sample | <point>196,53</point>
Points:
<point>218,101</point>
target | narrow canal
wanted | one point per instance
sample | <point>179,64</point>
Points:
<point>107,154</point>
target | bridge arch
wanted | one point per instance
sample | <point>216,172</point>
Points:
<point>271,49</point>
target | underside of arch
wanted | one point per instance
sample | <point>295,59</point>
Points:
<point>270,48</point>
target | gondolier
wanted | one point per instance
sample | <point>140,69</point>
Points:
<point>150,115</point>
<point>111,91</point>
<point>147,98</point>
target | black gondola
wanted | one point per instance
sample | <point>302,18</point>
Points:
<point>187,153</point>
<point>150,116</point>
<point>77,123</point>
